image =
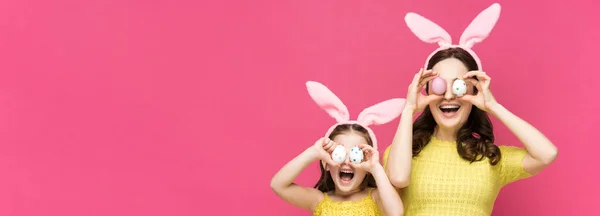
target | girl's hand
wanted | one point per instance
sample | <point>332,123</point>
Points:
<point>415,100</point>
<point>323,148</point>
<point>371,158</point>
<point>484,100</point>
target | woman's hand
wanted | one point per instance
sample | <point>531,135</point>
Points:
<point>323,148</point>
<point>484,100</point>
<point>371,159</point>
<point>415,100</point>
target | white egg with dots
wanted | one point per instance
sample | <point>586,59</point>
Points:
<point>339,154</point>
<point>356,155</point>
<point>459,88</point>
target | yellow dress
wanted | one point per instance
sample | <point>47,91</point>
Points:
<point>363,207</point>
<point>442,183</point>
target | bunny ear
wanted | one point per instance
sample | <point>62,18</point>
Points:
<point>481,26</point>
<point>382,113</point>
<point>328,101</point>
<point>426,30</point>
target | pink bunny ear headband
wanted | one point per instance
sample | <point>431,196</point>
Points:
<point>377,114</point>
<point>476,32</point>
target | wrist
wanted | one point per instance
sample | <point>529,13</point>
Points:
<point>495,109</point>
<point>312,154</point>
<point>408,110</point>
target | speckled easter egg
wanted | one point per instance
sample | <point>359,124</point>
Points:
<point>459,88</point>
<point>339,154</point>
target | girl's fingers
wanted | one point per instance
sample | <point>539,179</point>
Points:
<point>365,147</point>
<point>330,161</point>
<point>326,142</point>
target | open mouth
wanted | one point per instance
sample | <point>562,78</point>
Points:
<point>346,176</point>
<point>449,109</point>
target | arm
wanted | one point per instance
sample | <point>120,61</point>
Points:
<point>540,151</point>
<point>399,161</point>
<point>386,196</point>
<point>282,183</point>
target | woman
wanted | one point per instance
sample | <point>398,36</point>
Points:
<point>448,155</point>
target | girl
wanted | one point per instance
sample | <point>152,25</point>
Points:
<point>456,167</point>
<point>346,188</point>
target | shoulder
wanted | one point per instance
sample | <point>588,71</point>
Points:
<point>386,154</point>
<point>320,196</point>
<point>509,148</point>
<point>511,154</point>
<point>373,193</point>
<point>320,202</point>
<point>511,166</point>
<point>510,151</point>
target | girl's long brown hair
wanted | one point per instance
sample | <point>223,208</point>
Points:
<point>469,147</point>
<point>325,183</point>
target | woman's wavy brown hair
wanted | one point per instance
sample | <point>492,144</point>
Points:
<point>469,147</point>
<point>325,183</point>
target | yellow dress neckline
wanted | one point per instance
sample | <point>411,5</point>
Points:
<point>439,141</point>
<point>364,206</point>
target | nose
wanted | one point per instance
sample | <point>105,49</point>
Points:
<point>347,160</point>
<point>448,95</point>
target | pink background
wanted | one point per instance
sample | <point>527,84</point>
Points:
<point>182,107</point>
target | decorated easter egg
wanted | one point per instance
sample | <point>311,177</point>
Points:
<point>356,155</point>
<point>339,154</point>
<point>438,86</point>
<point>459,87</point>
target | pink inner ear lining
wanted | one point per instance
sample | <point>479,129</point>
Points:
<point>427,30</point>
<point>328,101</point>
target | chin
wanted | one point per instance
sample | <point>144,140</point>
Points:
<point>450,114</point>
<point>347,179</point>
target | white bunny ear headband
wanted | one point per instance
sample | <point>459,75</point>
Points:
<point>476,32</point>
<point>377,114</point>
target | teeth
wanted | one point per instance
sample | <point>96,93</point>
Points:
<point>346,171</point>
<point>449,106</point>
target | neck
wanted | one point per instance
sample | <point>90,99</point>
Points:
<point>445,134</point>
<point>346,193</point>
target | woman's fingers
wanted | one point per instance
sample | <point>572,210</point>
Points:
<point>425,80</point>
<point>481,76</point>
<point>417,76</point>
<point>468,98</point>
<point>424,100</point>
<point>476,83</point>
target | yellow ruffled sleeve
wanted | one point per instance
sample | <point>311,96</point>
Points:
<point>511,164</point>
<point>385,156</point>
